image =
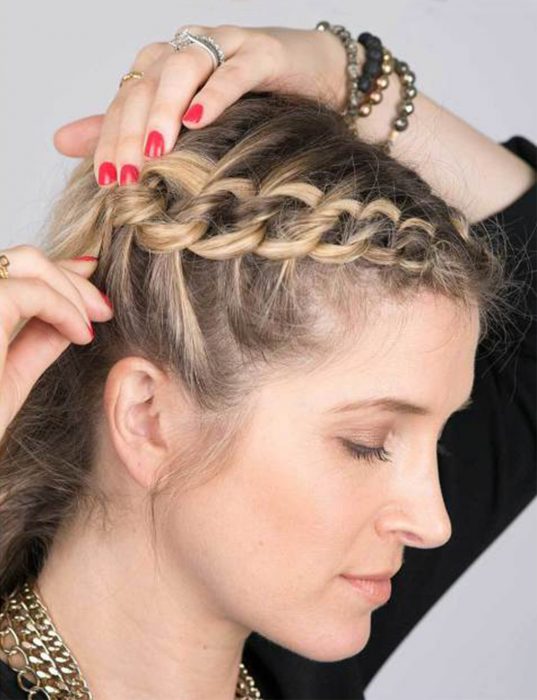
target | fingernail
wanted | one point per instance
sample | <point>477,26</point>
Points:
<point>128,174</point>
<point>90,326</point>
<point>107,173</point>
<point>107,300</point>
<point>87,258</point>
<point>193,114</point>
<point>154,146</point>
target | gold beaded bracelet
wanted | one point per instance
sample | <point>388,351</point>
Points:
<point>372,96</point>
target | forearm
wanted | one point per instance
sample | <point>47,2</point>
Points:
<point>462,165</point>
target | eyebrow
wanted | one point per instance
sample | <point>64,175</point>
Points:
<point>392,404</point>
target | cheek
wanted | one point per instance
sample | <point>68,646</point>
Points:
<point>290,523</point>
<point>266,544</point>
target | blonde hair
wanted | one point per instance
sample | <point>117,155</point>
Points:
<point>252,246</point>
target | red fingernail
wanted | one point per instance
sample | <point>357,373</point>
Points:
<point>107,173</point>
<point>87,258</point>
<point>107,300</point>
<point>128,174</point>
<point>91,330</point>
<point>154,146</point>
<point>193,114</point>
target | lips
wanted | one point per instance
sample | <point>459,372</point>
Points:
<point>377,591</point>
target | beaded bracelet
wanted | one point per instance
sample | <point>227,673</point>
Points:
<point>365,90</point>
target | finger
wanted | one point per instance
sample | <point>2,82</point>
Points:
<point>132,124</point>
<point>182,74</point>
<point>38,344</point>
<point>98,305</point>
<point>32,351</point>
<point>229,82</point>
<point>79,138</point>
<point>30,262</point>
<point>103,160</point>
<point>28,297</point>
<point>105,168</point>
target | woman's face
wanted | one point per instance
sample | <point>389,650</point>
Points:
<point>268,539</point>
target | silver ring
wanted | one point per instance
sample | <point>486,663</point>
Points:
<point>185,38</point>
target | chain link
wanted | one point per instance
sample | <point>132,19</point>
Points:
<point>48,670</point>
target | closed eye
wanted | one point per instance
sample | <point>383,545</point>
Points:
<point>369,454</point>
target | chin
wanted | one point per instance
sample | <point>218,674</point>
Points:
<point>331,644</point>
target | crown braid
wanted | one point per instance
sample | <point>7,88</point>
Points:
<point>158,229</point>
<point>214,263</point>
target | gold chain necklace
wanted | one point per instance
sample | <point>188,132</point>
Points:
<point>48,669</point>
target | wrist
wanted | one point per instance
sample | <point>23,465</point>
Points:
<point>336,58</point>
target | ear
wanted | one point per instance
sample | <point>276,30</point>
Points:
<point>142,405</point>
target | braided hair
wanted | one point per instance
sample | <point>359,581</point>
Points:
<point>253,246</point>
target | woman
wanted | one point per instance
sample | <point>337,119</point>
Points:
<point>211,464</point>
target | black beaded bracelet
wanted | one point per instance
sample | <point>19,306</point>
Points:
<point>373,62</point>
<point>365,89</point>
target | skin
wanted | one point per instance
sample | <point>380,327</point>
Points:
<point>261,545</point>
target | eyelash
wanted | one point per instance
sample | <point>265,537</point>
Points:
<point>370,454</point>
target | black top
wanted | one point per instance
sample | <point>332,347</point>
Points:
<point>487,481</point>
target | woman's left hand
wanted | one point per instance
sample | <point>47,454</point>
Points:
<point>258,59</point>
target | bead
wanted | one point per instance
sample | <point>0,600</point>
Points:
<point>375,54</point>
<point>375,97</point>
<point>364,84</point>
<point>371,68</point>
<point>400,124</point>
<point>365,37</point>
<point>383,81</point>
<point>367,82</point>
<point>387,68</point>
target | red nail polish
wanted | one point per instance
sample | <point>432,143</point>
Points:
<point>193,114</point>
<point>107,299</point>
<point>154,146</point>
<point>107,173</point>
<point>87,258</point>
<point>128,174</point>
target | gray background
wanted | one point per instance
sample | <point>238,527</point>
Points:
<point>61,60</point>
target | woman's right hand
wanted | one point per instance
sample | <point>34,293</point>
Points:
<point>58,304</point>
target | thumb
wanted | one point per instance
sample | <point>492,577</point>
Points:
<point>33,350</point>
<point>79,138</point>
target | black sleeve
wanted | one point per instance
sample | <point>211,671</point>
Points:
<point>488,479</point>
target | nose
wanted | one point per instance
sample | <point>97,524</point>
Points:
<point>420,518</point>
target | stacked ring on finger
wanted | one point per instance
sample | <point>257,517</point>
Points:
<point>155,140</point>
<point>185,38</point>
<point>180,41</point>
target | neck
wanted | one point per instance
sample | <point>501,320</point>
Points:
<point>135,632</point>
